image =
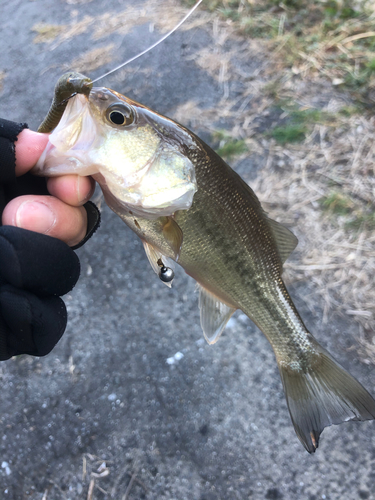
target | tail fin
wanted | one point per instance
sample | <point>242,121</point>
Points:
<point>323,395</point>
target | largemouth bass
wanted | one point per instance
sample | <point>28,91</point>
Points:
<point>188,206</point>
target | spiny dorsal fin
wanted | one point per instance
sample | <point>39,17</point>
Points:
<point>286,242</point>
<point>214,315</point>
<point>154,258</point>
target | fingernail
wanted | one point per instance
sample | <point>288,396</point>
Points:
<point>35,216</point>
<point>81,187</point>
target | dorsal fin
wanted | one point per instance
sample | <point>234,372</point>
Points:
<point>286,242</point>
<point>214,315</point>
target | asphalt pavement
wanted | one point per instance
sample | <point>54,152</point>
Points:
<point>133,403</point>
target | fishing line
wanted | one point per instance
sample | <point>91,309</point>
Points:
<point>152,46</point>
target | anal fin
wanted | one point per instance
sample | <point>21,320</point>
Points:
<point>214,315</point>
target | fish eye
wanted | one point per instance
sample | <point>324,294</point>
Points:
<point>120,114</point>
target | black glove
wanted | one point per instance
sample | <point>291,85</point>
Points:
<point>34,269</point>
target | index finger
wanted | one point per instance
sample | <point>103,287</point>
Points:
<point>29,146</point>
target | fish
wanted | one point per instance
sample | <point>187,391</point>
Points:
<point>190,208</point>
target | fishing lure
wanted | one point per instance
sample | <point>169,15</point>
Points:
<point>67,86</point>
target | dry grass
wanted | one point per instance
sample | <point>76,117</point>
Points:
<point>93,59</point>
<point>47,32</point>
<point>2,76</point>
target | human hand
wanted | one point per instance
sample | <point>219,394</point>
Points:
<point>60,215</point>
<point>36,269</point>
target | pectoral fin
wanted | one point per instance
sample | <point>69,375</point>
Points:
<point>173,235</point>
<point>157,260</point>
<point>214,315</point>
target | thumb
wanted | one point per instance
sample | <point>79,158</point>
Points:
<point>29,147</point>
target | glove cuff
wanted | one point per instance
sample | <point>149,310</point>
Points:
<point>93,222</point>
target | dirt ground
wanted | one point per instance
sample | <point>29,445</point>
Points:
<point>132,403</point>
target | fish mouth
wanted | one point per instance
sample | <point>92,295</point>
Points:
<point>69,144</point>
